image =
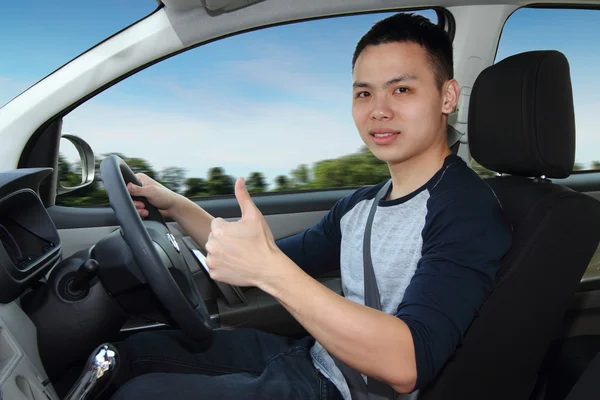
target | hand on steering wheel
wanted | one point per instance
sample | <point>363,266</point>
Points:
<point>157,195</point>
<point>156,252</point>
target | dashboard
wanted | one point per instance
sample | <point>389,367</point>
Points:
<point>30,244</point>
<point>29,247</point>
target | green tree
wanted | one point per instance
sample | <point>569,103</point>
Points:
<point>98,197</point>
<point>329,173</point>
<point>94,194</point>
<point>256,183</point>
<point>356,169</point>
<point>64,167</point>
<point>301,176</point>
<point>595,165</point>
<point>137,165</point>
<point>173,178</point>
<point>379,169</point>
<point>90,195</point>
<point>196,187</point>
<point>219,183</point>
<point>282,183</point>
<point>66,176</point>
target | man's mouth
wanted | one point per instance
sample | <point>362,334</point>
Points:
<point>382,136</point>
<point>382,132</point>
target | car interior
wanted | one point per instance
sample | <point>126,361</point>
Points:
<point>75,282</point>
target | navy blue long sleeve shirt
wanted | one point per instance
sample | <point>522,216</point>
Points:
<point>435,253</point>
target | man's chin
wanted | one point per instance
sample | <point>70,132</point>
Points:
<point>389,155</point>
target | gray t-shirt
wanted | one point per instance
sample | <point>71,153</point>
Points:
<point>435,253</point>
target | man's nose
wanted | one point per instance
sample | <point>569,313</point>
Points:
<point>381,111</point>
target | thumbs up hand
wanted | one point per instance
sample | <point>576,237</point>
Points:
<point>238,253</point>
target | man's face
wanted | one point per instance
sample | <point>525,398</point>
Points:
<point>397,106</point>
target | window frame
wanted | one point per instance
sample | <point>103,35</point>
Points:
<point>44,136</point>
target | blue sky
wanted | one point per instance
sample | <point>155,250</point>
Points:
<point>40,36</point>
<point>574,33</point>
<point>288,94</point>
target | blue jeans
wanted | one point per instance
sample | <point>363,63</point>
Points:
<point>240,364</point>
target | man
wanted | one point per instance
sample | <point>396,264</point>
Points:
<point>437,241</point>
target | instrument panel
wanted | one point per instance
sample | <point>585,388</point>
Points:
<point>29,242</point>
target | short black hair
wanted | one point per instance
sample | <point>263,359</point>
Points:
<point>408,27</point>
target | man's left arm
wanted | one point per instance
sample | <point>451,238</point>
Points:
<point>399,350</point>
<point>375,343</point>
<point>466,235</point>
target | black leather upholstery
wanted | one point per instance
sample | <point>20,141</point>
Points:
<point>556,230</point>
<point>587,386</point>
<point>565,364</point>
<point>521,117</point>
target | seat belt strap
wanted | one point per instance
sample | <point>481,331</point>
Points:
<point>372,298</point>
<point>372,389</point>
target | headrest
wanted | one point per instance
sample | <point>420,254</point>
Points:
<point>521,116</point>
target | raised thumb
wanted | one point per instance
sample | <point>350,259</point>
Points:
<point>247,206</point>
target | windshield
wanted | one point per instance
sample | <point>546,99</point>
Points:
<point>39,36</point>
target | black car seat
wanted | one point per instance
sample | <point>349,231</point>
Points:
<point>565,363</point>
<point>522,125</point>
<point>587,386</point>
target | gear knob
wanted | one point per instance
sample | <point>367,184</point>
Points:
<point>97,374</point>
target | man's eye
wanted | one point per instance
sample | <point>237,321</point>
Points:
<point>402,89</point>
<point>362,94</point>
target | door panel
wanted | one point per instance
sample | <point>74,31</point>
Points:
<point>224,207</point>
<point>263,312</point>
<point>282,225</point>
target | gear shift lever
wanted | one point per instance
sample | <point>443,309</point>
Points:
<point>99,371</point>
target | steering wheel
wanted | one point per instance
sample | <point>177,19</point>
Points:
<point>156,252</point>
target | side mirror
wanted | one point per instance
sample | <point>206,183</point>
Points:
<point>76,164</point>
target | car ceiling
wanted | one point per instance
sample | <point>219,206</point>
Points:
<point>185,15</point>
<point>318,8</point>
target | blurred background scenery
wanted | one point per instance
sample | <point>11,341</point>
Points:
<point>272,105</point>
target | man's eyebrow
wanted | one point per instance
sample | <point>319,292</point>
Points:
<point>359,84</point>
<point>398,79</point>
<point>401,78</point>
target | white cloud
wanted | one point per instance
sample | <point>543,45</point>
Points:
<point>291,70</point>
<point>243,135</point>
<point>202,123</point>
<point>284,74</point>
<point>268,137</point>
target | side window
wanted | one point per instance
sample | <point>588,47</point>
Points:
<point>574,32</point>
<point>272,105</point>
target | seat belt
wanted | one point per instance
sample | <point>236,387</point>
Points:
<point>372,389</point>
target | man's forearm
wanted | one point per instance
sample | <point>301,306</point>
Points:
<point>193,219</point>
<point>372,342</point>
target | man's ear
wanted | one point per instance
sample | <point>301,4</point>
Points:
<point>450,92</point>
